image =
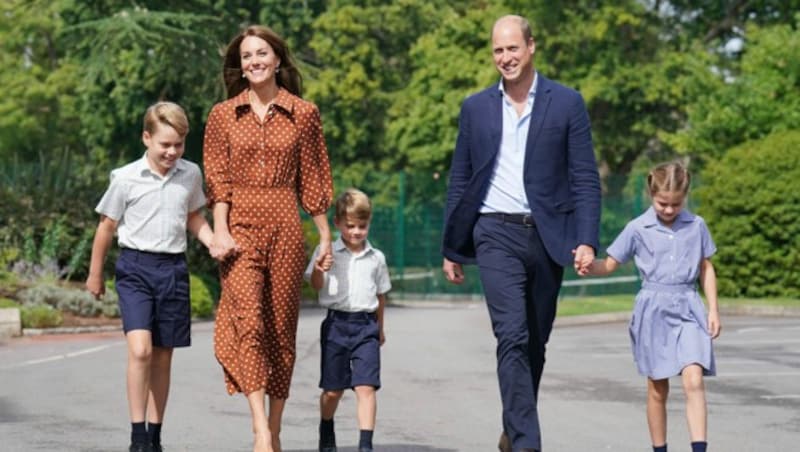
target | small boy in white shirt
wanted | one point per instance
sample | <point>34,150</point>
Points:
<point>352,284</point>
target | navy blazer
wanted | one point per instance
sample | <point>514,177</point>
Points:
<point>561,179</point>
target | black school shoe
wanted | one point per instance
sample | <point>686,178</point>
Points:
<point>327,449</point>
<point>141,447</point>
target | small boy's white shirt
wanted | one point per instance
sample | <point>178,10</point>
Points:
<point>355,280</point>
<point>151,210</point>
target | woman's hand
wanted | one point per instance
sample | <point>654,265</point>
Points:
<point>222,245</point>
<point>325,256</point>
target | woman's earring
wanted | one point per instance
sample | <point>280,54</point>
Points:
<point>277,69</point>
<point>243,76</point>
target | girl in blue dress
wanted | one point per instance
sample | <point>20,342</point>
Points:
<point>670,330</point>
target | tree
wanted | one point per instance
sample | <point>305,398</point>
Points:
<point>365,63</point>
<point>39,110</point>
<point>760,96</point>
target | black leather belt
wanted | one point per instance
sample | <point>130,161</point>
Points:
<point>516,218</point>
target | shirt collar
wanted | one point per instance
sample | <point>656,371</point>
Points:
<point>339,246</point>
<point>650,218</point>
<point>531,91</point>
<point>283,100</point>
<point>142,167</point>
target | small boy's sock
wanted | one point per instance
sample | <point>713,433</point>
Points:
<point>327,437</point>
<point>138,432</point>
<point>660,448</point>
<point>699,446</point>
<point>154,432</point>
<point>366,439</point>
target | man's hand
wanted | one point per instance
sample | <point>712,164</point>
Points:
<point>584,256</point>
<point>453,271</point>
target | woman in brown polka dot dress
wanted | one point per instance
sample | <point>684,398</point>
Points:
<point>263,153</point>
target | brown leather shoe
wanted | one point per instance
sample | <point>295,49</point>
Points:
<point>504,444</point>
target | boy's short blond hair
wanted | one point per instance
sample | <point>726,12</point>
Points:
<point>167,113</point>
<point>353,203</point>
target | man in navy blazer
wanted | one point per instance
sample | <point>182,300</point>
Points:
<point>523,202</point>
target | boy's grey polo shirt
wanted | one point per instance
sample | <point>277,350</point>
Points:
<point>355,279</point>
<point>151,210</point>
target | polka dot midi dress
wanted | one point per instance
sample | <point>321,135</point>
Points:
<point>263,170</point>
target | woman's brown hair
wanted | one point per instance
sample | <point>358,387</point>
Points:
<point>287,77</point>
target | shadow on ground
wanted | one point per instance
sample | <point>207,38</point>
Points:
<point>387,448</point>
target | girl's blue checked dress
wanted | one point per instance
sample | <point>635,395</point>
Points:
<point>669,325</point>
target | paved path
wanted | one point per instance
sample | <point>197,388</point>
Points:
<point>66,392</point>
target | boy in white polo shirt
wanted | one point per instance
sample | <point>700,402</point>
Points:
<point>150,203</point>
<point>352,284</point>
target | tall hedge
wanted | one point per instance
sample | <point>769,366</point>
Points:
<point>750,199</point>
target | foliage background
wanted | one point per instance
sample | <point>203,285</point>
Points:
<point>662,80</point>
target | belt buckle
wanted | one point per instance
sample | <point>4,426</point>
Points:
<point>527,220</point>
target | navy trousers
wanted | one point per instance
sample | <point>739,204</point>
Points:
<point>521,284</point>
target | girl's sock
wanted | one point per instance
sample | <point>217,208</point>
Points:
<point>365,439</point>
<point>138,432</point>
<point>699,446</point>
<point>327,438</point>
<point>660,448</point>
<point>154,432</point>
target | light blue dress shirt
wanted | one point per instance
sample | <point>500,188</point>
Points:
<point>507,186</point>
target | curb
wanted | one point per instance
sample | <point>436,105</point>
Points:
<point>10,323</point>
<point>561,321</point>
<point>70,330</point>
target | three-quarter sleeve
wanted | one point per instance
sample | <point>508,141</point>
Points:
<point>217,158</point>
<point>314,183</point>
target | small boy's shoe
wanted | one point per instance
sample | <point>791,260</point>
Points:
<point>364,449</point>
<point>327,448</point>
<point>157,448</point>
<point>141,446</point>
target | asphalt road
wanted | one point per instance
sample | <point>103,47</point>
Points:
<point>66,393</point>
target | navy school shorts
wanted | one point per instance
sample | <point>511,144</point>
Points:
<point>351,350</point>
<point>153,293</point>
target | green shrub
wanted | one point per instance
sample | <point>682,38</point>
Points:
<point>751,203</point>
<point>202,300</point>
<point>40,316</point>
<point>75,301</point>
<point>8,303</point>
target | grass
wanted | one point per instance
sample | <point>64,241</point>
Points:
<point>569,306</point>
<point>595,305</point>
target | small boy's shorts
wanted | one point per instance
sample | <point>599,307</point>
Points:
<point>351,350</point>
<point>153,293</point>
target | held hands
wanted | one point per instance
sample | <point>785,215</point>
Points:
<point>584,257</point>
<point>222,245</point>
<point>324,262</point>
